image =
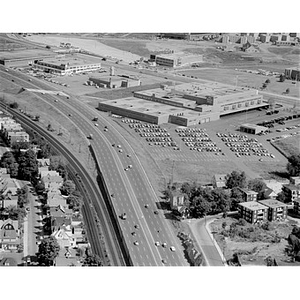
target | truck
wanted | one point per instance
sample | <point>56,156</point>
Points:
<point>95,119</point>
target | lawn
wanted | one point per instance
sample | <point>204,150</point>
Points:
<point>289,145</point>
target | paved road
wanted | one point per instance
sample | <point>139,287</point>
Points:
<point>205,241</point>
<point>132,190</point>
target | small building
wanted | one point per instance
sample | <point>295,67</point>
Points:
<point>252,128</point>
<point>248,195</point>
<point>9,235</point>
<point>276,210</point>
<point>292,73</point>
<point>253,211</point>
<point>292,191</point>
<point>176,199</point>
<point>219,180</point>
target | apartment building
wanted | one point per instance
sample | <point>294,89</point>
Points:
<point>248,195</point>
<point>253,211</point>
<point>276,210</point>
<point>292,191</point>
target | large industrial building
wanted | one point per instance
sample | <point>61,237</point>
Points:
<point>155,112</point>
<point>67,64</point>
<point>185,104</point>
<point>173,60</point>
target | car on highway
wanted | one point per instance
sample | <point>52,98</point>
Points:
<point>164,245</point>
<point>120,150</point>
<point>96,124</point>
<point>29,79</point>
<point>105,129</point>
<point>133,233</point>
<point>164,261</point>
<point>128,155</point>
<point>146,205</point>
<point>136,243</point>
<point>113,145</point>
<point>70,115</point>
<point>13,80</point>
<point>119,146</point>
<point>157,244</point>
<point>136,226</point>
<point>130,166</point>
<point>28,208</point>
<point>126,169</point>
<point>172,248</point>
<point>55,100</point>
<point>124,216</point>
<point>156,212</point>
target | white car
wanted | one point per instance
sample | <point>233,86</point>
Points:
<point>172,248</point>
<point>164,245</point>
<point>119,146</point>
<point>130,166</point>
<point>96,125</point>
<point>120,150</point>
<point>157,244</point>
<point>136,243</point>
<point>105,129</point>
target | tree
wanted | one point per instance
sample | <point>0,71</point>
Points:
<point>15,213</point>
<point>58,163</point>
<point>267,81</point>
<point>92,260</point>
<point>258,186</point>
<point>68,187</point>
<point>48,251</point>
<point>200,207</point>
<point>293,166</point>
<point>16,146</point>
<point>14,105</point>
<point>75,202</point>
<point>22,196</point>
<point>28,165</point>
<point>40,187</point>
<point>282,78</point>
<point>235,179</point>
<point>283,197</point>
<point>8,161</point>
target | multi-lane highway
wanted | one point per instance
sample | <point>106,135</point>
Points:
<point>131,189</point>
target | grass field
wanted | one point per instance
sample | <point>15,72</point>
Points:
<point>290,145</point>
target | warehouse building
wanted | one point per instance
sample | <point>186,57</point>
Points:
<point>26,57</point>
<point>176,59</point>
<point>205,97</point>
<point>67,64</point>
<point>252,128</point>
<point>154,112</point>
<point>115,81</point>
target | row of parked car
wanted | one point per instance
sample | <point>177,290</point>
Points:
<point>280,121</point>
<point>242,145</point>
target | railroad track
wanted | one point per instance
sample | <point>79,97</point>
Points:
<point>112,238</point>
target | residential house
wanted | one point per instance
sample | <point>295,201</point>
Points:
<point>43,162</point>
<point>9,186</point>
<point>50,180</point>
<point>253,211</point>
<point>276,210</point>
<point>219,180</point>
<point>248,195</point>
<point>176,199</point>
<point>9,200</point>
<point>60,216</point>
<point>64,236</point>
<point>9,234</point>
<point>275,185</point>
<point>269,193</point>
<point>55,199</point>
<point>16,137</point>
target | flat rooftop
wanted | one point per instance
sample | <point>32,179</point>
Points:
<point>73,60</point>
<point>253,205</point>
<point>149,107</point>
<point>272,203</point>
<point>254,126</point>
<point>203,90</point>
